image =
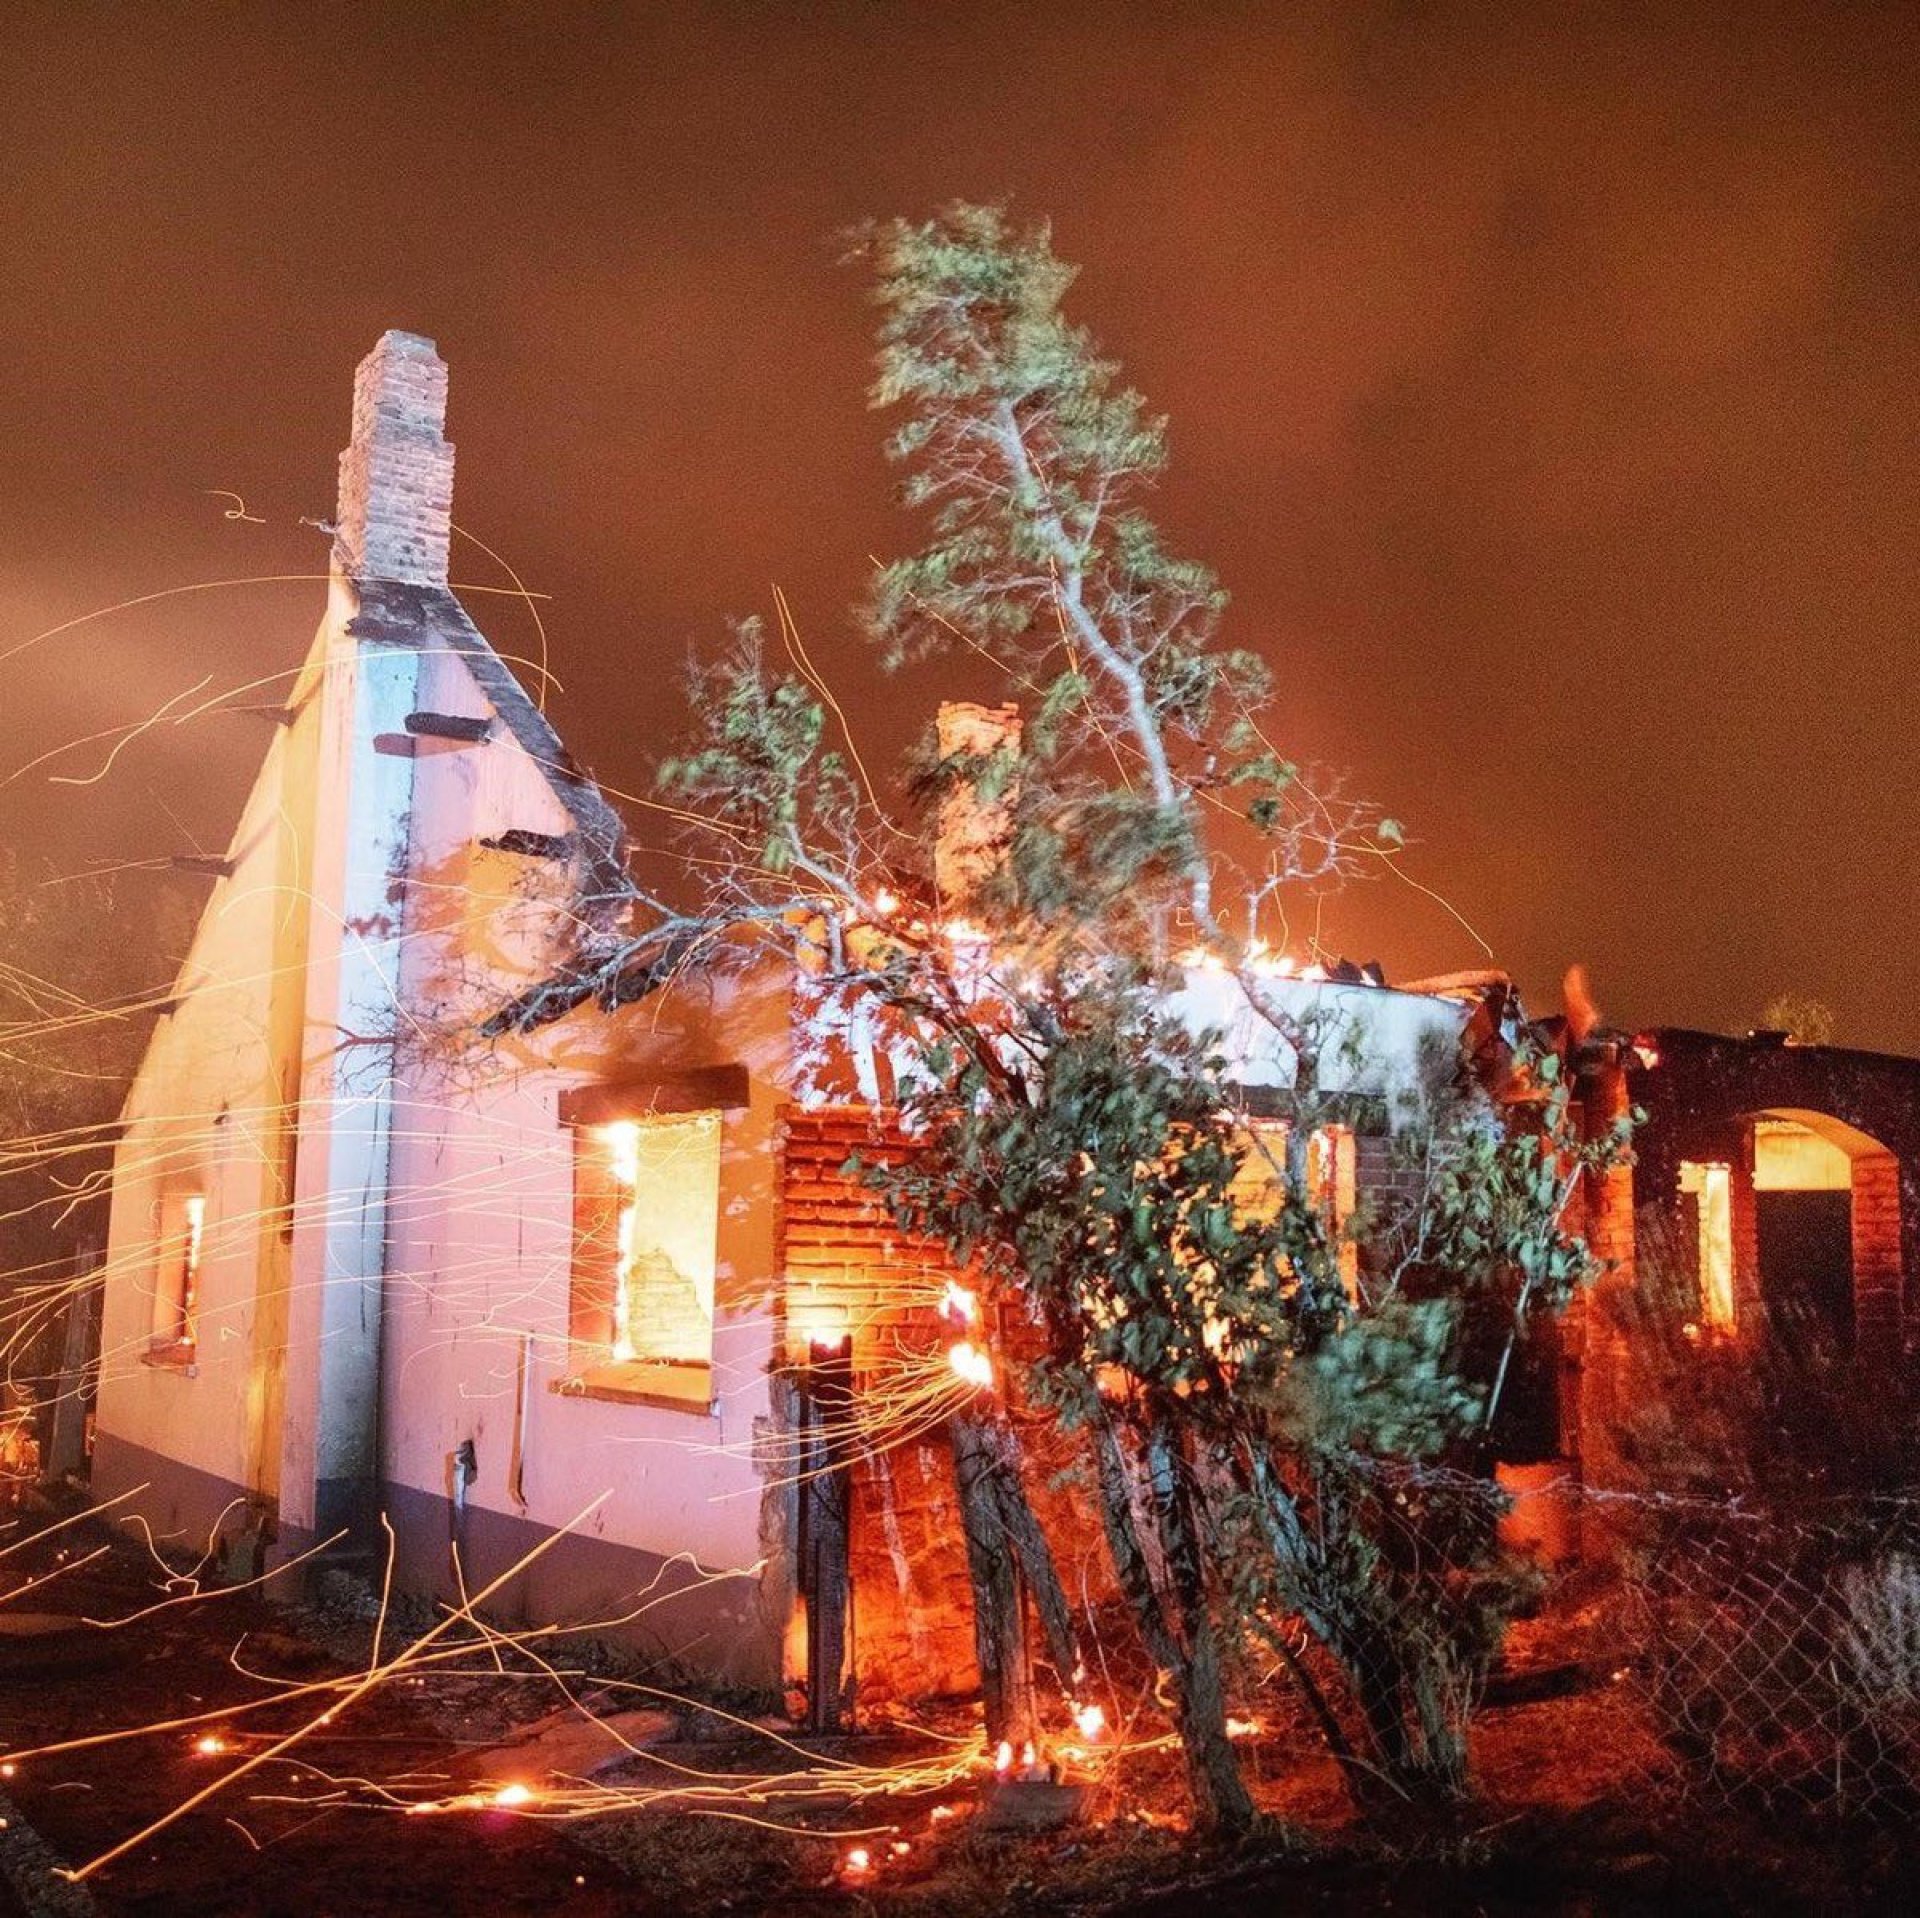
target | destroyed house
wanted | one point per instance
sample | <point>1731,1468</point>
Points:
<point>559,1315</point>
<point>540,1306</point>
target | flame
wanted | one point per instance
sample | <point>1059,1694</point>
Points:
<point>820,1322</point>
<point>958,1302</point>
<point>209,1744</point>
<point>1090,1720</point>
<point>1243,1727</point>
<point>510,1795</point>
<point>622,1141</point>
<point>885,903</point>
<point>1003,1759</point>
<point>858,1860</point>
<point>971,1364</point>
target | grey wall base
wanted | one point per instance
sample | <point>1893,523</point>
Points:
<point>705,1628</point>
<point>183,1506</point>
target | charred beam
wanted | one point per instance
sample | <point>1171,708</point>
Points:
<point>457,726</point>
<point>826,1497</point>
<point>532,845</point>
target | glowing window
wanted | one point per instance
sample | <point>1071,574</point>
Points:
<point>646,1218</point>
<point>1333,1191</point>
<point>176,1291</point>
<point>1712,1187</point>
<point>1260,1186</point>
<point>1332,1184</point>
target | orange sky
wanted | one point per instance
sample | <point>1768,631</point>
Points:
<point>1543,384</point>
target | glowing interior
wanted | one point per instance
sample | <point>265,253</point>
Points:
<point>666,1174</point>
<point>1712,1185</point>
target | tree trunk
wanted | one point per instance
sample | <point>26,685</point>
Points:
<point>1030,1547</point>
<point>999,1616</point>
<point>1213,1767</point>
<point>1220,1798</point>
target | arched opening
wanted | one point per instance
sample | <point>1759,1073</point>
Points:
<point>1803,1235</point>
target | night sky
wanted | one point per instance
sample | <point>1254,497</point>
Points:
<point>1543,384</point>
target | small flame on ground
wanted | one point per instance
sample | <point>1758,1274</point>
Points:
<point>210,1744</point>
<point>958,1302</point>
<point>1090,1720</point>
<point>858,1861</point>
<point>510,1795</point>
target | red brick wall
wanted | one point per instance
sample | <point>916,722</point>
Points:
<point>1876,1254</point>
<point>912,1615</point>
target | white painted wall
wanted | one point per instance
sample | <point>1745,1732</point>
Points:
<point>1371,1038</point>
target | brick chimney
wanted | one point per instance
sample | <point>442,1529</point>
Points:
<point>973,832</point>
<point>396,476</point>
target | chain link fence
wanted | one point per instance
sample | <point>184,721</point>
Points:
<point>1776,1652</point>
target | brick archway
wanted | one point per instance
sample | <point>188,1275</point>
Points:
<point>1869,1215</point>
<point>1710,1101</point>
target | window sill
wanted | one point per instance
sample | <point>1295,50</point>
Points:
<point>657,1382</point>
<point>173,1355</point>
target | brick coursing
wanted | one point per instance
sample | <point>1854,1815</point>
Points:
<point>912,1610</point>
<point>395,511</point>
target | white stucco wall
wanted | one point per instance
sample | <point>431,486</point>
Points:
<point>1371,1039</point>
<point>482,1176</point>
<point>208,1111</point>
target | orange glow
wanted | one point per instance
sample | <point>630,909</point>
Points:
<point>859,1861</point>
<point>815,1321</point>
<point>971,1364</point>
<point>196,1214</point>
<point>209,1744</point>
<point>1712,1186</point>
<point>509,1796</point>
<point>622,1140</point>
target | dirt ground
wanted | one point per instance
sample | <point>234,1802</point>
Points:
<point>1571,1820</point>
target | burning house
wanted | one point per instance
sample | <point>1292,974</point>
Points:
<point>560,1313</point>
